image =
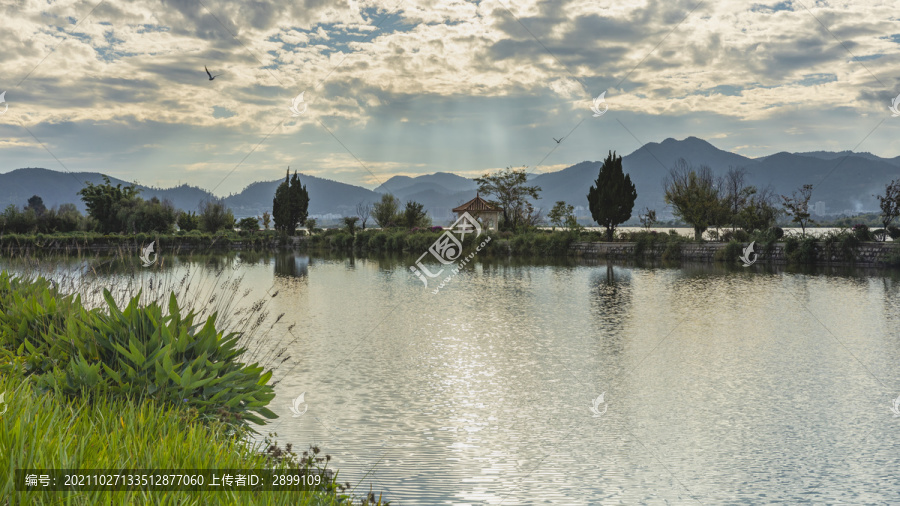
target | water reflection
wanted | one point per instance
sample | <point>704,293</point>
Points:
<point>725,384</point>
<point>291,265</point>
<point>611,297</point>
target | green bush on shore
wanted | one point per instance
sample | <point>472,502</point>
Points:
<point>133,388</point>
<point>133,352</point>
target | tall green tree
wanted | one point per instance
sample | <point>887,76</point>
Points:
<point>511,193</point>
<point>385,213</point>
<point>249,224</point>
<point>281,206</point>
<point>37,205</point>
<point>693,195</point>
<point>299,198</point>
<point>612,196</point>
<point>290,206</point>
<point>215,216</point>
<point>414,215</point>
<point>188,221</point>
<point>106,202</point>
<point>560,214</point>
<point>151,216</point>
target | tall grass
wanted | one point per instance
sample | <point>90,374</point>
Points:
<point>208,285</point>
<point>47,431</point>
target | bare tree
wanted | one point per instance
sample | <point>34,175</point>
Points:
<point>532,217</point>
<point>797,206</point>
<point>736,193</point>
<point>363,211</point>
<point>890,205</point>
<point>647,217</point>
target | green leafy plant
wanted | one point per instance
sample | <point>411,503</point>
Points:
<point>134,352</point>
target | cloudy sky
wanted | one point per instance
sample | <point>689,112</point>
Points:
<point>414,87</point>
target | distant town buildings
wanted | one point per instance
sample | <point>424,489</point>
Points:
<point>819,208</point>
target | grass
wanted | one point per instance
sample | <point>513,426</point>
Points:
<point>112,427</point>
<point>41,430</point>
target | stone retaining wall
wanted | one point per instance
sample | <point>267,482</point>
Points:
<point>868,253</point>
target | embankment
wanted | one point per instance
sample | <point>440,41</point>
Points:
<point>876,254</point>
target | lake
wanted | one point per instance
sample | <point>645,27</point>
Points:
<point>719,384</point>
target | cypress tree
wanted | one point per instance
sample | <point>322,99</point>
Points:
<point>612,197</point>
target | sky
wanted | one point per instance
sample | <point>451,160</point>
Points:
<point>411,87</point>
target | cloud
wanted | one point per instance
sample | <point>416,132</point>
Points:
<point>426,73</point>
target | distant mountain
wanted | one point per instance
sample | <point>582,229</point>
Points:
<point>325,197</point>
<point>647,167</point>
<point>56,188</point>
<point>439,181</point>
<point>831,155</point>
<point>843,180</point>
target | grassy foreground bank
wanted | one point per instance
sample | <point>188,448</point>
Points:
<point>134,388</point>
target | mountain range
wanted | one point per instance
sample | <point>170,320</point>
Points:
<point>845,181</point>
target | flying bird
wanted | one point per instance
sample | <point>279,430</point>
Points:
<point>211,77</point>
<point>558,140</point>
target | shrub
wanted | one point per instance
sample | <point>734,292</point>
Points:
<point>214,216</point>
<point>135,352</point>
<point>738,235</point>
<point>249,224</point>
<point>893,260</point>
<point>862,232</point>
<point>894,232</point>
<point>800,251</point>
<point>732,251</point>
<point>188,221</point>
<point>378,241</point>
<point>672,251</point>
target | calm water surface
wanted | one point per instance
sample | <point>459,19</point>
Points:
<point>720,385</point>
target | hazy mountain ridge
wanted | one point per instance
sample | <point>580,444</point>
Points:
<point>844,181</point>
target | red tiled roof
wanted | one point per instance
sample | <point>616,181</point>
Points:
<point>477,204</point>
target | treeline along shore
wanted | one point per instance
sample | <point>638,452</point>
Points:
<point>856,246</point>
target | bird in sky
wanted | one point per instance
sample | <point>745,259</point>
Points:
<point>211,77</point>
<point>558,140</point>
